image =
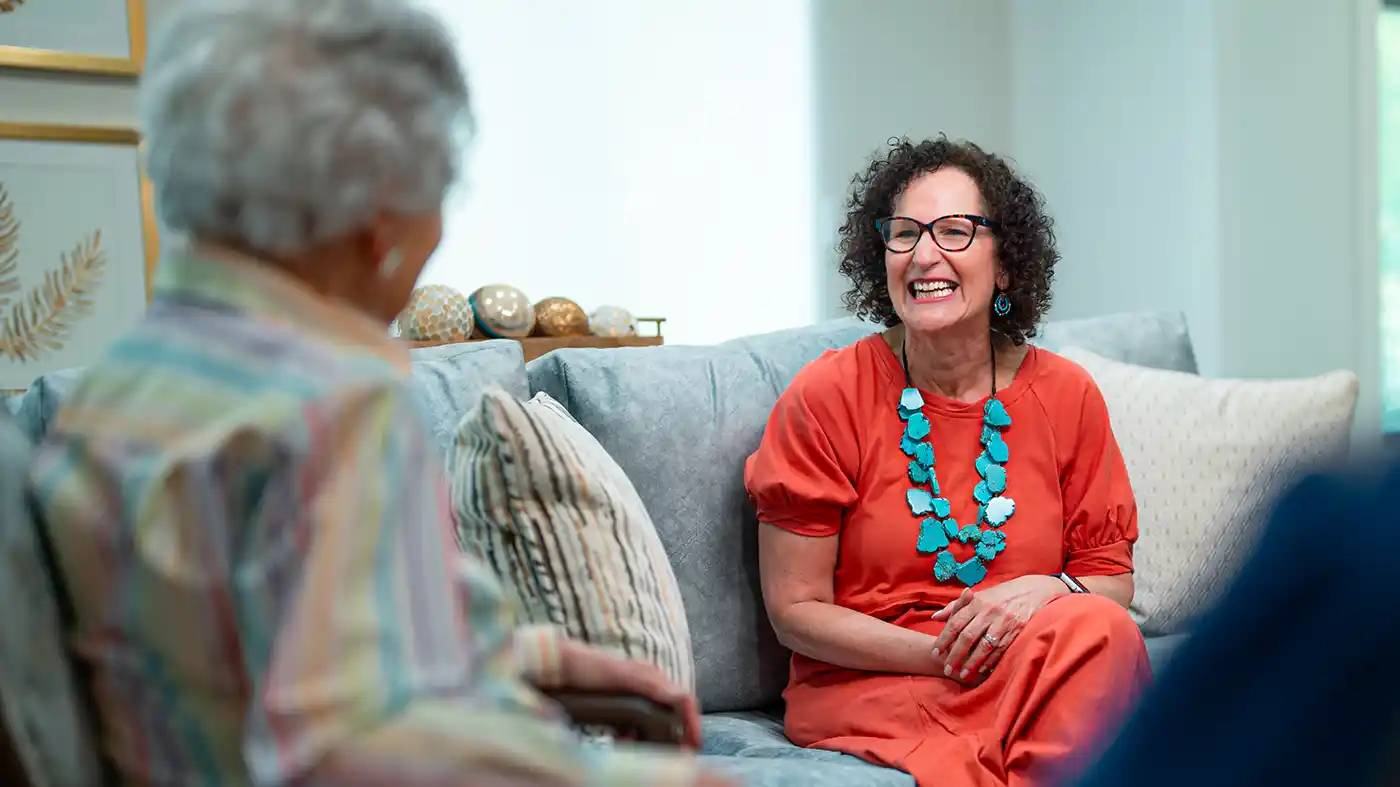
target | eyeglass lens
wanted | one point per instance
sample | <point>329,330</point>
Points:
<point>950,233</point>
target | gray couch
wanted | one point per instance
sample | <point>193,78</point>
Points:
<point>680,421</point>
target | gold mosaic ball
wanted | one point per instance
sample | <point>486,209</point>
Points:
<point>560,317</point>
<point>436,313</point>
<point>503,311</point>
<point>611,321</point>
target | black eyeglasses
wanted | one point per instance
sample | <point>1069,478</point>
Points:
<point>951,233</point>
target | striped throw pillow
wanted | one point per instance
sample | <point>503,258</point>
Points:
<point>545,505</point>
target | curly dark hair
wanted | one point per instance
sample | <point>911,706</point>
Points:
<point>1025,234</point>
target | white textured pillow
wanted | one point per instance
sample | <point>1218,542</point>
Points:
<point>1206,458</point>
<point>545,505</point>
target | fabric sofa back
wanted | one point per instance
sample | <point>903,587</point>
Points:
<point>682,420</point>
<point>447,382</point>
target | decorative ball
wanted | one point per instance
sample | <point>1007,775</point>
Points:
<point>611,321</point>
<point>560,317</point>
<point>503,311</point>
<point>436,313</point>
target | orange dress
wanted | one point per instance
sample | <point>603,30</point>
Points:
<point>830,464</point>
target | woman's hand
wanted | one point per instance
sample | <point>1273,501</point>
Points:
<point>981,625</point>
<point>587,668</point>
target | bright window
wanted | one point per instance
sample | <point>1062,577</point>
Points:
<point>1389,73</point>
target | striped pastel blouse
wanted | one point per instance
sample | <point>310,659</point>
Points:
<point>254,528</point>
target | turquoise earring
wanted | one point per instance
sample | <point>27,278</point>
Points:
<point>1001,304</point>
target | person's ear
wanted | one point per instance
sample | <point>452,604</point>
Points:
<point>389,263</point>
<point>378,241</point>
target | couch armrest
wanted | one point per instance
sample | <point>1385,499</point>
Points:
<point>629,715</point>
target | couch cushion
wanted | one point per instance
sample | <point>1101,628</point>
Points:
<point>751,747</point>
<point>1158,340</point>
<point>805,772</point>
<point>681,420</point>
<point>38,696</point>
<point>448,380</point>
<point>1206,458</point>
<point>1160,650</point>
<point>559,522</point>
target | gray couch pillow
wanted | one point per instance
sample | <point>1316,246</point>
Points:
<point>448,381</point>
<point>682,420</point>
<point>1158,340</point>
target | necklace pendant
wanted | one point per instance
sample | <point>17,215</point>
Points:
<point>971,571</point>
<point>994,414</point>
<point>997,450</point>
<point>938,530</point>
<point>932,537</point>
<point>969,533</point>
<point>944,566</point>
<point>999,510</point>
<point>995,478</point>
<point>919,500</point>
<point>990,544</point>
<point>910,399</point>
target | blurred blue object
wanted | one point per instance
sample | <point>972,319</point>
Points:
<point>1292,678</point>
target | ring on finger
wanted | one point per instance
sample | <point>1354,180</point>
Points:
<point>990,640</point>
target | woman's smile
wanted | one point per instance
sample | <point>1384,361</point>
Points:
<point>931,290</point>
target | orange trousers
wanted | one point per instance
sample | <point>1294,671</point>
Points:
<point>1071,676</point>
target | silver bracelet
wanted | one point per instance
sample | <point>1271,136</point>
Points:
<point>1072,583</point>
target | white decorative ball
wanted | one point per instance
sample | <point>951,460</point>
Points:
<point>611,321</point>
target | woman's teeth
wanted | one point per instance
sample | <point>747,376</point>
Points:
<point>932,289</point>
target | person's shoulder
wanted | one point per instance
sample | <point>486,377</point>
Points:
<point>836,374</point>
<point>1067,393</point>
<point>1059,373</point>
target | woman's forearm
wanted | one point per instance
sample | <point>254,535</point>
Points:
<point>1118,588</point>
<point>850,639</point>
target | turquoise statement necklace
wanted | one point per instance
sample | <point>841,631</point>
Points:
<point>939,529</point>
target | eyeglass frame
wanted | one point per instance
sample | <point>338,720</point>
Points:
<point>977,221</point>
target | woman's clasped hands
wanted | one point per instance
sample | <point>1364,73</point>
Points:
<point>981,625</point>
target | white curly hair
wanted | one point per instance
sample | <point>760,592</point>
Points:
<point>277,125</point>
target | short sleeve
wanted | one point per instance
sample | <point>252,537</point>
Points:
<point>1100,511</point>
<point>801,478</point>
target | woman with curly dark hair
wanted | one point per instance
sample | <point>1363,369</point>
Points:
<point>962,619</point>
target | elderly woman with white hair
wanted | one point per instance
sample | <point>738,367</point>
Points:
<point>249,519</point>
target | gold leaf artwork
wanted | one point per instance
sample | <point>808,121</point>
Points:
<point>6,6</point>
<point>39,323</point>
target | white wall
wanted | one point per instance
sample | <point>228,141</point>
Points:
<point>651,155</point>
<point>34,97</point>
<point>692,160</point>
<point>1300,156</point>
<point>1115,119</point>
<point>1189,149</point>
<point>915,68</point>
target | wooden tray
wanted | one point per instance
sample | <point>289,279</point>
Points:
<point>535,346</point>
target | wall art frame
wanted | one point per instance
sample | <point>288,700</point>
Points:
<point>54,54</point>
<point>77,230</point>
